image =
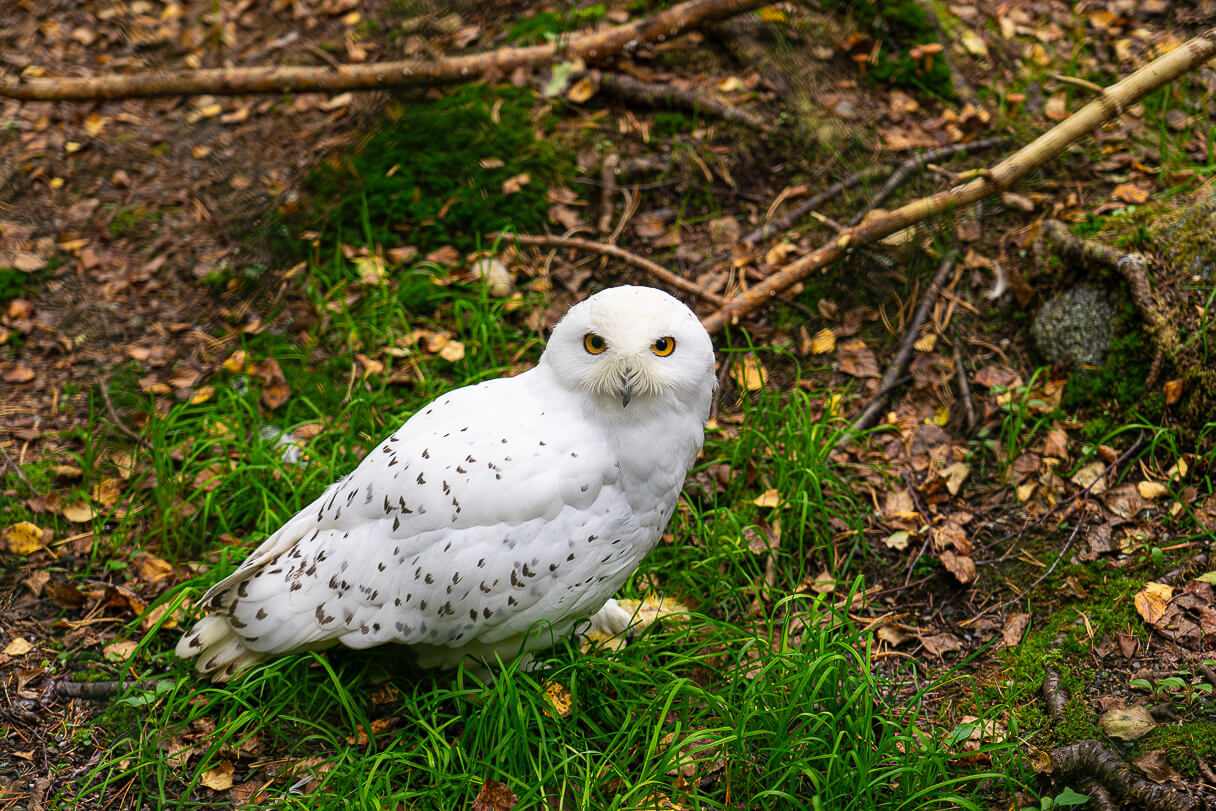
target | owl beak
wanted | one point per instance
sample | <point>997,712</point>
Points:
<point>626,387</point>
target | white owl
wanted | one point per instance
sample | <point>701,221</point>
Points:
<point>496,518</point>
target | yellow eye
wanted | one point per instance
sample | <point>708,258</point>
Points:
<point>664,346</point>
<point>594,343</point>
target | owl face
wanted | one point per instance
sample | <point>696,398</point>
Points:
<point>631,345</point>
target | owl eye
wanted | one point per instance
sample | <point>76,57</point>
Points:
<point>664,346</point>
<point>594,343</point>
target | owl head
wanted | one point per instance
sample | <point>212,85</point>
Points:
<point>631,348</point>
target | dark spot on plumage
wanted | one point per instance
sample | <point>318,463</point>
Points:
<point>504,440</point>
<point>210,663</point>
<point>420,479</point>
<point>388,508</point>
<point>528,572</point>
<point>345,586</point>
<point>470,459</point>
<point>484,587</point>
<point>350,497</point>
<point>409,596</point>
<point>296,587</point>
<point>553,567</point>
<point>575,455</point>
<point>345,535</point>
<point>449,591</point>
<point>396,550</point>
<point>348,619</point>
<point>487,613</point>
<point>512,601</point>
<point>421,509</point>
<point>380,566</point>
<point>448,434</point>
<point>591,538</point>
<point>570,556</point>
<point>367,499</point>
<point>391,462</point>
<point>236,623</point>
<point>606,558</point>
<point>497,475</point>
<point>462,430</point>
<point>363,629</point>
<point>243,589</point>
<point>446,488</point>
<point>481,564</point>
<point>447,546</point>
<point>429,578</point>
<point>417,572</point>
<point>542,443</point>
<point>459,469</point>
<point>375,626</point>
<point>617,541</point>
<point>386,449</point>
<point>396,522</point>
<point>602,578</point>
<point>515,581</point>
<point>447,609</point>
<point>322,555</point>
<point>338,513</point>
<point>401,627</point>
<point>426,453</point>
<point>473,614</point>
<point>401,504</point>
<point>393,438</point>
<point>375,594</point>
<point>584,488</point>
<point>397,602</point>
<point>456,578</point>
<point>506,458</point>
<point>321,616</point>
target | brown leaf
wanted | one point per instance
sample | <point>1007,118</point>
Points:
<point>1152,600</point>
<point>20,373</point>
<point>1155,767</point>
<point>961,566</point>
<point>513,184</point>
<point>937,644</point>
<point>1014,629</point>
<point>275,395</point>
<point>1130,724</point>
<point>64,595</point>
<point>218,778</point>
<point>18,647</point>
<point>78,512</point>
<point>1131,193</point>
<point>856,359</point>
<point>151,569</point>
<point>494,796</point>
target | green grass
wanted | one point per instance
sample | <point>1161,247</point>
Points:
<point>758,698</point>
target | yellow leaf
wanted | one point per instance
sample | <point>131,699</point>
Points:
<point>772,14</point>
<point>202,395</point>
<point>1151,602</point>
<point>749,375</point>
<point>94,124</point>
<point>78,512</point>
<point>18,647</point>
<point>926,342</point>
<point>731,84</point>
<point>218,778</point>
<point>941,416</point>
<point>23,538</point>
<point>770,498</point>
<point>1128,724</point>
<point>897,540</point>
<point>1152,490</point>
<point>561,703</point>
<point>582,90</point>
<point>974,44</point>
<point>237,361</point>
<point>823,342</point>
<point>452,351</point>
<point>72,146</point>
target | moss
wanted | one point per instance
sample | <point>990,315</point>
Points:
<point>130,220</point>
<point>900,25</point>
<point>545,25</point>
<point>433,175</point>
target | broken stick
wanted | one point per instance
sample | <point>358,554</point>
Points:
<point>592,47</point>
<point>1113,101</point>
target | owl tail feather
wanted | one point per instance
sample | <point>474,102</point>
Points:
<point>220,650</point>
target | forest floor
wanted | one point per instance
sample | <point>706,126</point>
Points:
<point>213,306</point>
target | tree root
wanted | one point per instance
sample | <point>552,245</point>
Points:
<point>1091,759</point>
<point>1054,695</point>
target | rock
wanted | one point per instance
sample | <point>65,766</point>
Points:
<point>1075,328</point>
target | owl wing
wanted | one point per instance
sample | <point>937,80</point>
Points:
<point>463,525</point>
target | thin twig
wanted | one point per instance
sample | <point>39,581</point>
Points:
<point>917,162</point>
<point>1063,552</point>
<point>964,388</point>
<point>924,547</point>
<point>869,414</point>
<point>117,420</point>
<point>661,95</point>
<point>658,271</point>
<point>17,469</point>
<point>811,203</point>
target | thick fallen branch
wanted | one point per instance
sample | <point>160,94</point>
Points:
<point>1113,101</point>
<point>661,95</point>
<point>590,47</point>
<point>1091,758</point>
<point>658,271</point>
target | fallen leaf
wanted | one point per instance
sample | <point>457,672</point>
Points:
<point>823,342</point>
<point>955,475</point>
<point>1014,628</point>
<point>513,184</point>
<point>18,374</point>
<point>938,644</point>
<point>120,649</point>
<point>23,538</point>
<point>1089,475</point>
<point>750,374</point>
<point>64,595</point>
<point>494,796</point>
<point>1152,490</point>
<point>1151,601</point>
<point>1129,724</point>
<point>452,351</point>
<point>218,778</point>
<point>275,395</point>
<point>897,540</point>
<point>769,498</point>
<point>151,569</point>
<point>581,91</point>
<point>1131,193</point>
<point>1155,767</point>
<point>961,566</point>
<point>18,647</point>
<point>78,512</point>
<point>856,359</point>
<point>559,699</point>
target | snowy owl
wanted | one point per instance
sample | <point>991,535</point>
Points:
<point>498,517</point>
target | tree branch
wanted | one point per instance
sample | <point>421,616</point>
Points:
<point>591,47</point>
<point>1113,101</point>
